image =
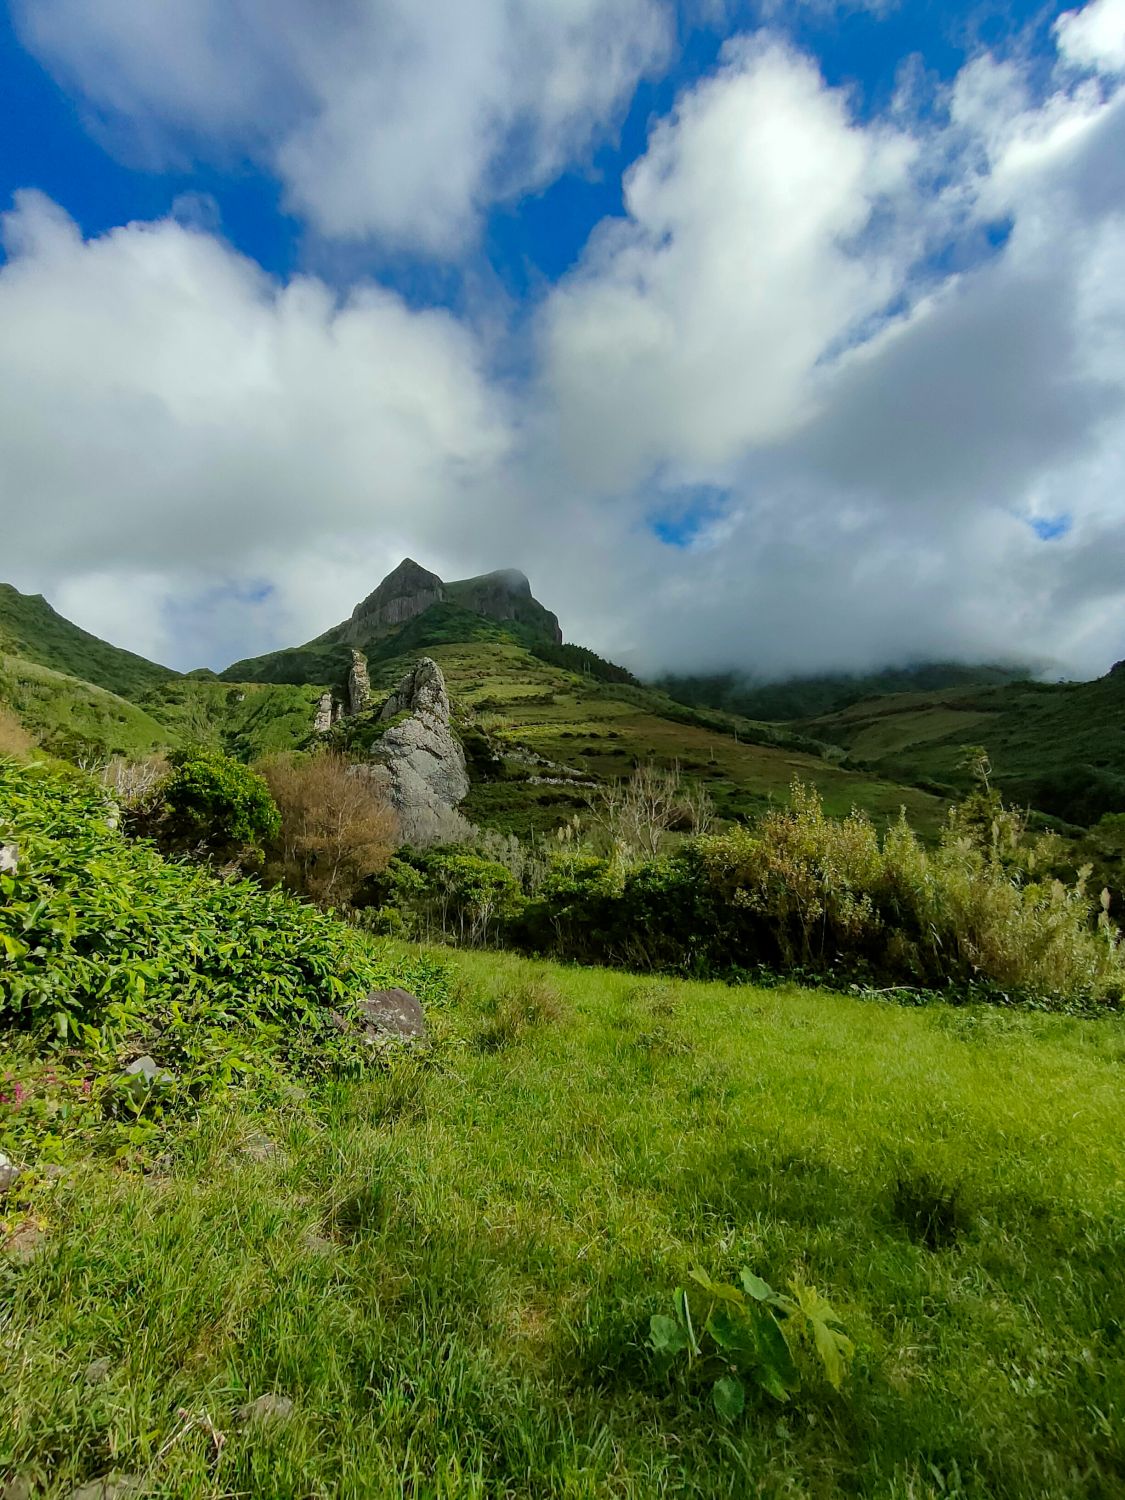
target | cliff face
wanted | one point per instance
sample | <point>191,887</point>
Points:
<point>404,593</point>
<point>505,595</point>
<point>410,590</point>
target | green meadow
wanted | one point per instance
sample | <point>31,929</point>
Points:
<point>449,1267</point>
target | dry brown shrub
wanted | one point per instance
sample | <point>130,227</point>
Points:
<point>135,785</point>
<point>14,738</point>
<point>336,827</point>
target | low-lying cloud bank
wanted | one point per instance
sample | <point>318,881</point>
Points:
<point>833,392</point>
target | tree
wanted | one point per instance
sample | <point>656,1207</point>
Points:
<point>336,827</point>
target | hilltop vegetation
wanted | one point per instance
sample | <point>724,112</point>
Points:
<point>810,697</point>
<point>1059,747</point>
<point>31,629</point>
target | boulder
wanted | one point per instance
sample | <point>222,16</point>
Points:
<point>114,1486</point>
<point>9,1173</point>
<point>144,1076</point>
<point>267,1408</point>
<point>393,1013</point>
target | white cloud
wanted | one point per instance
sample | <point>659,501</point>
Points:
<point>890,345</point>
<point>780,313</point>
<point>168,409</point>
<point>382,117</point>
<point>693,325</point>
<point>1094,37</point>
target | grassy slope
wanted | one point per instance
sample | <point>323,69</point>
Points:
<point>247,719</point>
<point>600,730</point>
<point>73,717</point>
<point>450,1270</point>
<point>30,628</point>
<point>811,697</point>
<point>1029,729</point>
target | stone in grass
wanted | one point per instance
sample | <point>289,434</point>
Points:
<point>143,1076</point>
<point>25,1241</point>
<point>18,1489</point>
<point>9,1173</point>
<point>267,1408</point>
<point>258,1147</point>
<point>9,859</point>
<point>113,1486</point>
<point>392,1013</point>
<point>97,1371</point>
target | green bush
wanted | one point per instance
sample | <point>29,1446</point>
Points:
<point>106,944</point>
<point>217,804</point>
<point>449,892</point>
<point>833,899</point>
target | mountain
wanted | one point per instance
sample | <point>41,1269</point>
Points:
<point>543,721</point>
<point>501,601</point>
<point>31,629</point>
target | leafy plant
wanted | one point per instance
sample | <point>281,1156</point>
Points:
<point>746,1335</point>
<point>111,950</point>
<point>218,803</point>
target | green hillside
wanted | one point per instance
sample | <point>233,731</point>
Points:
<point>589,730</point>
<point>411,610</point>
<point>31,629</point>
<point>76,719</point>
<point>1059,747</point>
<point>809,697</point>
<point>245,719</point>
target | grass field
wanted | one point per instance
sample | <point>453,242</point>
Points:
<point>450,1269</point>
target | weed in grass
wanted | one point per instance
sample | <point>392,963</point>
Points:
<point>932,1212</point>
<point>517,1010</point>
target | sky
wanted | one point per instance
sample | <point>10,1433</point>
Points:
<point>784,338</point>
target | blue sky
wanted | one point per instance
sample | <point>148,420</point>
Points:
<point>799,312</point>
<point>538,237</point>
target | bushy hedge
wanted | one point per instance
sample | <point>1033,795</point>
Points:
<point>833,898</point>
<point>103,940</point>
<point>984,913</point>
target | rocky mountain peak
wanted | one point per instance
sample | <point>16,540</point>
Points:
<point>410,590</point>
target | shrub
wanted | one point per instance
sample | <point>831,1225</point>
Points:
<point>216,805</point>
<point>103,941</point>
<point>336,828</point>
<point>831,898</point>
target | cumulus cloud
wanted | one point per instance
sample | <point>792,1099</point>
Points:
<point>382,117</point>
<point>171,411</point>
<point>869,373</point>
<point>1094,37</point>
<point>691,328</point>
<point>897,350</point>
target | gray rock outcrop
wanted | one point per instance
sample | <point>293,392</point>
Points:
<point>359,684</point>
<point>324,719</point>
<point>422,760</point>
